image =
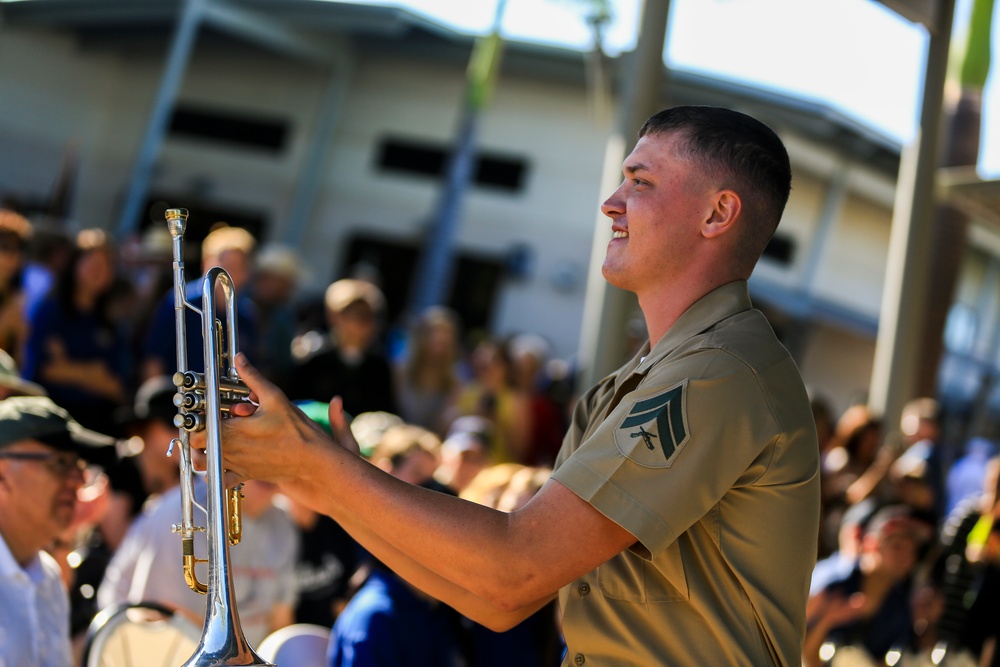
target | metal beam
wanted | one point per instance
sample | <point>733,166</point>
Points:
<point>181,46</point>
<point>965,190</point>
<point>924,12</point>
<point>263,30</point>
<point>313,172</point>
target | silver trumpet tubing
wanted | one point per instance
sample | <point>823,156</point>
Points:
<point>203,400</point>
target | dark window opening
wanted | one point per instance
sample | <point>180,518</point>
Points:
<point>780,249</point>
<point>411,158</point>
<point>491,170</point>
<point>234,129</point>
<point>500,172</point>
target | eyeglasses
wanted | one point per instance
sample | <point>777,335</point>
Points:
<point>61,464</point>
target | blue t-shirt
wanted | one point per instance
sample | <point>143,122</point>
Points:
<point>387,624</point>
<point>85,338</point>
<point>161,341</point>
<point>890,627</point>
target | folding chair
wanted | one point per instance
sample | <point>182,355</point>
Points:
<point>139,635</point>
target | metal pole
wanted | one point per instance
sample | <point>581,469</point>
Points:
<point>173,74</point>
<point>435,267</point>
<point>319,148</point>
<point>899,343</point>
<point>606,308</point>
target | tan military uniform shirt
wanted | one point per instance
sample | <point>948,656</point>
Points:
<point>705,450</point>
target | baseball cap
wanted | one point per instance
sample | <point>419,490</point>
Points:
<point>466,441</point>
<point>280,259</point>
<point>38,418</point>
<point>480,427</point>
<point>369,427</point>
<point>154,399</point>
<point>349,291</point>
<point>11,379</point>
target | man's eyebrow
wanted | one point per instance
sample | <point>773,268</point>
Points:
<point>634,167</point>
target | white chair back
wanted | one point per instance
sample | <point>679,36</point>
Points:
<point>139,635</point>
<point>301,645</point>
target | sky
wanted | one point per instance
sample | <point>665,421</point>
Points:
<point>854,55</point>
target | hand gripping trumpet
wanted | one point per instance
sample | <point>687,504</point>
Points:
<point>202,400</point>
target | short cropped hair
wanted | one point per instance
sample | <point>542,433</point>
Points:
<point>226,238</point>
<point>744,153</point>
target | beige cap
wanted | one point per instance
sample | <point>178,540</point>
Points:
<point>11,379</point>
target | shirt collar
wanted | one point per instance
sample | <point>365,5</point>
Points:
<point>10,567</point>
<point>703,314</point>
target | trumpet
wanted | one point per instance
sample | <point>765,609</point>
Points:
<point>202,401</point>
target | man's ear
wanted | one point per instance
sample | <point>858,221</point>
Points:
<point>726,209</point>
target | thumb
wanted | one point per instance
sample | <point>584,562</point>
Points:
<point>338,424</point>
<point>259,386</point>
<point>335,413</point>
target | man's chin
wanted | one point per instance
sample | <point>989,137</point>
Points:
<point>613,277</point>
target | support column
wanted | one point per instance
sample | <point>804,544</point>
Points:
<point>899,343</point>
<point>173,75</point>
<point>606,308</point>
<point>313,169</point>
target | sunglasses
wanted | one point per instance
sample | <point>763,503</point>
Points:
<point>61,464</point>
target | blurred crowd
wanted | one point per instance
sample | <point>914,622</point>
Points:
<point>89,322</point>
<point>908,554</point>
<point>909,545</point>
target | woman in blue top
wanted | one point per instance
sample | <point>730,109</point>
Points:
<point>76,349</point>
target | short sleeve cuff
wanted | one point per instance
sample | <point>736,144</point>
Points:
<point>615,503</point>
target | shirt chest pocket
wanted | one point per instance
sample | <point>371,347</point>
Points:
<point>629,578</point>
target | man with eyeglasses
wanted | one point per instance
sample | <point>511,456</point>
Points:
<point>43,455</point>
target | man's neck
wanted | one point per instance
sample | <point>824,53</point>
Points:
<point>22,552</point>
<point>662,309</point>
<point>662,313</point>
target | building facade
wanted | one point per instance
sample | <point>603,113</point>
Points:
<point>327,126</point>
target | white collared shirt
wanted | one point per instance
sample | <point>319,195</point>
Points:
<point>34,613</point>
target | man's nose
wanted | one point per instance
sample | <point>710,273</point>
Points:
<point>614,204</point>
<point>76,476</point>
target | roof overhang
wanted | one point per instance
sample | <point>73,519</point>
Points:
<point>317,31</point>
<point>963,188</point>
<point>925,12</point>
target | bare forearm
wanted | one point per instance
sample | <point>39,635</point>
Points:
<point>450,548</point>
<point>466,603</point>
<point>89,376</point>
<point>811,646</point>
<point>473,557</point>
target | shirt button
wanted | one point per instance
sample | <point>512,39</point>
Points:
<point>578,659</point>
<point>584,589</point>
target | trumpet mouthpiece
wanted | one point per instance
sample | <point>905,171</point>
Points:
<point>176,220</point>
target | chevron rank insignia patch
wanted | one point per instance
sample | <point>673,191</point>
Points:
<point>655,428</point>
